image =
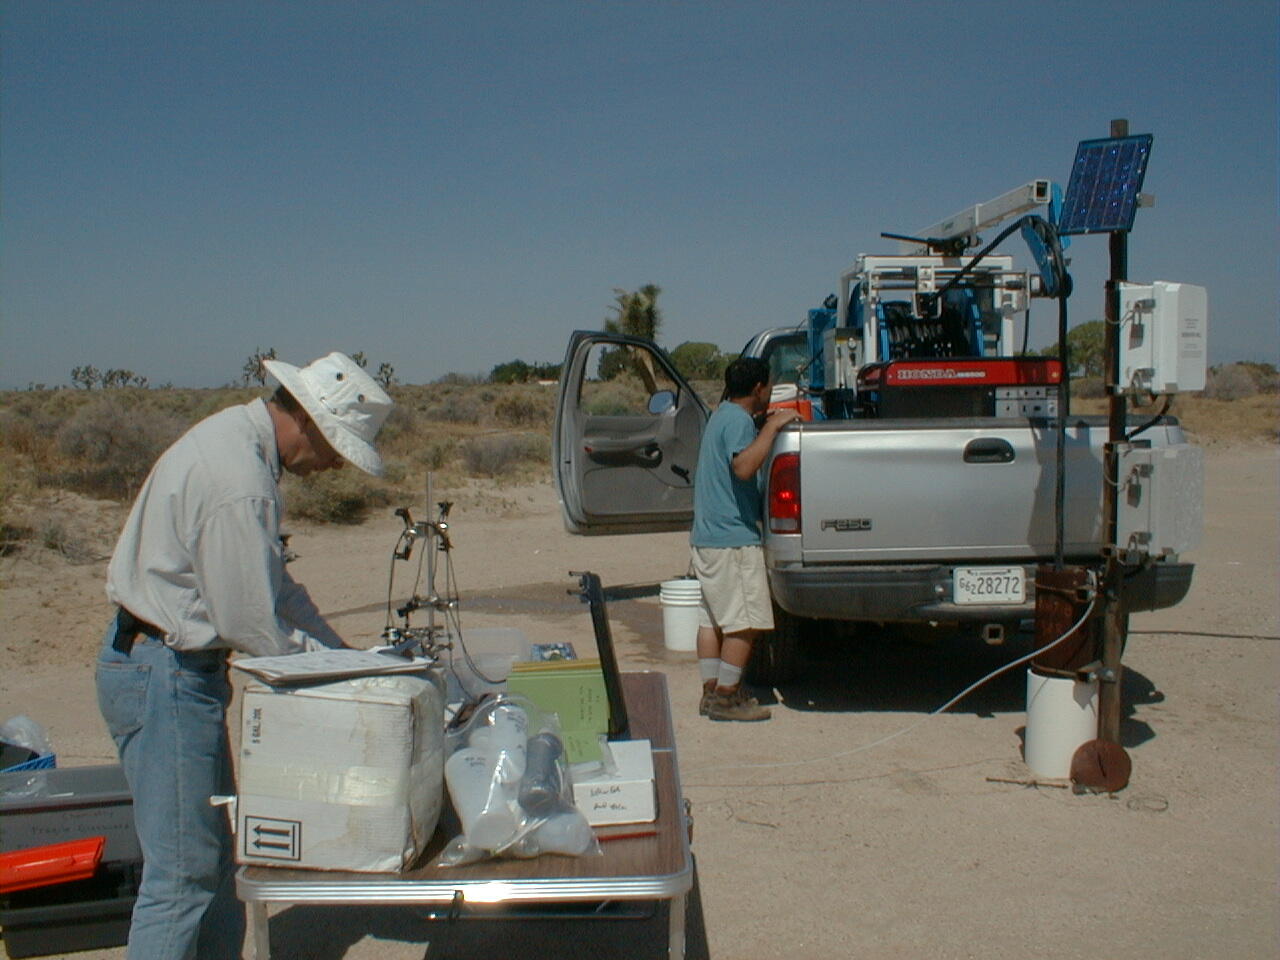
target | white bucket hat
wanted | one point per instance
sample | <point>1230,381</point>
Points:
<point>344,401</point>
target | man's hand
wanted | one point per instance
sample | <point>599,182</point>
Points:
<point>779,417</point>
<point>751,459</point>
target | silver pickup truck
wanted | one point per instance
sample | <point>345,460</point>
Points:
<point>910,521</point>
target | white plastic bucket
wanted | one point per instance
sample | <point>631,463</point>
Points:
<point>680,625</point>
<point>680,602</point>
<point>680,588</point>
<point>1061,715</point>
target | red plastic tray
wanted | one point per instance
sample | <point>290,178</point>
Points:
<point>50,864</point>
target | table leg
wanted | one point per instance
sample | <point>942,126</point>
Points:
<point>261,930</point>
<point>675,948</point>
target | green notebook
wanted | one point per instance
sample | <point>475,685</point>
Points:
<point>574,691</point>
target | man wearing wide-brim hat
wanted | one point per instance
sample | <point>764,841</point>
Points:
<point>198,572</point>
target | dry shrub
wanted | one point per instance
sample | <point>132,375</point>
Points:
<point>399,428</point>
<point>498,456</point>
<point>617,397</point>
<point>27,431</point>
<point>1235,381</point>
<point>334,496</point>
<point>525,407</point>
<point>434,452</point>
<point>1208,421</point>
<point>12,536</point>
<point>458,406</point>
<point>56,533</point>
<point>111,447</point>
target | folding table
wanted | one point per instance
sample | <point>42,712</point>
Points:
<point>654,867</point>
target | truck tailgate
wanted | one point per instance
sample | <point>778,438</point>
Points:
<point>982,489</point>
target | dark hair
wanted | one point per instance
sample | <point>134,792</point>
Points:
<point>286,401</point>
<point>744,375</point>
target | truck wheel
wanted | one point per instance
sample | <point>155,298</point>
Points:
<point>776,657</point>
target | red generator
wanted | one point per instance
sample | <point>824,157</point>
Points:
<point>961,387</point>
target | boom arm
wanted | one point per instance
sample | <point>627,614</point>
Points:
<point>969,221</point>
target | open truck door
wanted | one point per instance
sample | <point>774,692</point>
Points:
<point>626,436</point>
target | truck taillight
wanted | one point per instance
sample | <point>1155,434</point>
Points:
<point>784,494</point>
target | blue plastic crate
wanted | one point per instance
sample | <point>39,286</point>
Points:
<point>46,762</point>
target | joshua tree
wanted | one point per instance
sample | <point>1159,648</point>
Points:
<point>636,314</point>
<point>253,370</point>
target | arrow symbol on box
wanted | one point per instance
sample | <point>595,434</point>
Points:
<point>270,832</point>
<point>272,846</point>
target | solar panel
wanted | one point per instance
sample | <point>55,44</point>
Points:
<point>1102,194</point>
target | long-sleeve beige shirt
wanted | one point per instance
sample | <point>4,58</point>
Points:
<point>200,555</point>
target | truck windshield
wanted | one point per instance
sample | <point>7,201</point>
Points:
<point>787,356</point>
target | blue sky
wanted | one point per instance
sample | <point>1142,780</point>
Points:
<point>450,185</point>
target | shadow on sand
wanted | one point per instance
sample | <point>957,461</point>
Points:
<point>917,671</point>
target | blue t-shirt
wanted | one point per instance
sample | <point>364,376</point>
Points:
<point>726,510</point>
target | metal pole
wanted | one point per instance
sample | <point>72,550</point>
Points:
<point>1114,618</point>
<point>432,546</point>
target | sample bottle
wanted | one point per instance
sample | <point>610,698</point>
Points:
<point>567,833</point>
<point>486,806</point>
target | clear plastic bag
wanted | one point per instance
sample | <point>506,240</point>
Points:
<point>26,779</point>
<point>510,786</point>
<point>22,731</point>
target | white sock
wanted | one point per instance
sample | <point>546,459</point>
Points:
<point>708,668</point>
<point>729,675</point>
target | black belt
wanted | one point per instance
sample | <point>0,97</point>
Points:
<point>129,627</point>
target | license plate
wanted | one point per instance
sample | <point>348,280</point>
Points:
<point>988,585</point>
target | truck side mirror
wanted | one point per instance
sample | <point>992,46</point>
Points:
<point>661,402</point>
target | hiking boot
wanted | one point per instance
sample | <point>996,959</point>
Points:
<point>732,703</point>
<point>708,693</point>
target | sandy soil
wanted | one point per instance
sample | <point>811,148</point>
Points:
<point>811,840</point>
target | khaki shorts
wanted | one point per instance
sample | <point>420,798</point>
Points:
<point>735,588</point>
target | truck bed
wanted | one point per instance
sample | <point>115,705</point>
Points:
<point>891,507</point>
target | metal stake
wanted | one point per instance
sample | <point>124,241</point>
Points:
<point>1114,618</point>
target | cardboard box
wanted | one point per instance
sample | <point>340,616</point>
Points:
<point>627,796</point>
<point>39,807</point>
<point>340,776</point>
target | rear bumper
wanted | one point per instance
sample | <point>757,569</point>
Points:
<point>922,592</point>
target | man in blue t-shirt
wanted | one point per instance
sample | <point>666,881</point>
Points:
<point>727,556</point>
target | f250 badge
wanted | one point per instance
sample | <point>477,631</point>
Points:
<point>848,525</point>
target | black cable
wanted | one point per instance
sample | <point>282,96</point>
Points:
<point>1168,402</point>
<point>391,577</point>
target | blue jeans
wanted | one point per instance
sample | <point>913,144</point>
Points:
<point>166,711</point>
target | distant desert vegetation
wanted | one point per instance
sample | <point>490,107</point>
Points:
<point>100,443</point>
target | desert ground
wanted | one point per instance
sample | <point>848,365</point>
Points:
<point>812,838</point>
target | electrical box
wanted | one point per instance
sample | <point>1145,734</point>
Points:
<point>841,357</point>
<point>1163,330</point>
<point>1160,508</point>
<point>1026,401</point>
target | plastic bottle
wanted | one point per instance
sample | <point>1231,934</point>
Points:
<point>567,833</point>
<point>508,730</point>
<point>485,804</point>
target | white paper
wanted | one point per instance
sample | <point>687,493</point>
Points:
<point>329,665</point>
